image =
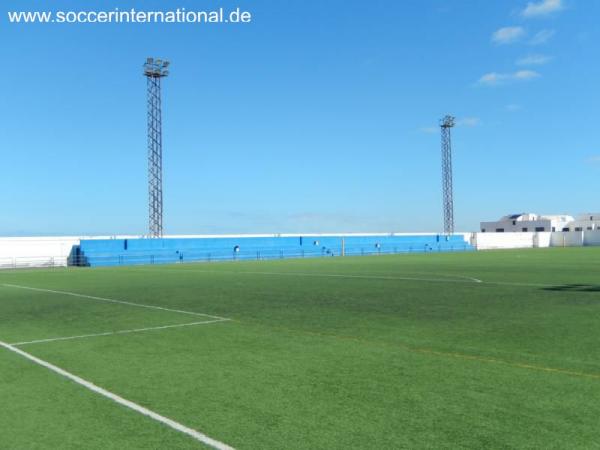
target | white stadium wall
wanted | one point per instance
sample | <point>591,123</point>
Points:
<point>493,241</point>
<point>591,237</point>
<point>542,240</point>
<point>19,252</point>
<point>35,251</point>
<point>570,239</point>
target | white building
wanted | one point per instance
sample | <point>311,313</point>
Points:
<point>586,222</point>
<point>530,223</point>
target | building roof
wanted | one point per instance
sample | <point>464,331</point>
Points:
<point>559,218</point>
<point>522,217</point>
<point>588,216</point>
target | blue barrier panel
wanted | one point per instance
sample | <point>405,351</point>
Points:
<point>113,252</point>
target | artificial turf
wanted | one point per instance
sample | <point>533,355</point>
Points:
<point>466,350</point>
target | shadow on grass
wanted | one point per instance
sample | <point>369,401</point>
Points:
<point>574,288</point>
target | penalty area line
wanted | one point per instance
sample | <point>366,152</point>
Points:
<point>113,333</point>
<point>456,279</point>
<point>197,435</point>
<point>112,300</point>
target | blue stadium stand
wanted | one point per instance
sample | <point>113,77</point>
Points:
<point>116,252</point>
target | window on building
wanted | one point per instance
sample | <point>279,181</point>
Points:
<point>499,230</point>
<point>589,228</point>
<point>566,229</point>
<point>525,230</point>
<point>553,229</point>
<point>514,222</point>
<point>578,229</point>
<point>483,230</point>
<point>539,229</point>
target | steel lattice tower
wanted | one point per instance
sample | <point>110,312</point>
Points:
<point>446,125</point>
<point>155,70</point>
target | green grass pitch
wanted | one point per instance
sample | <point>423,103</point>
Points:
<point>468,350</point>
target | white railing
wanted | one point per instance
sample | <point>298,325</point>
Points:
<point>24,262</point>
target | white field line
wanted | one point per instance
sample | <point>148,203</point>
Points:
<point>449,277</point>
<point>457,278</point>
<point>112,333</point>
<point>463,279</point>
<point>201,437</point>
<point>110,300</point>
<point>467,280</point>
<point>367,277</point>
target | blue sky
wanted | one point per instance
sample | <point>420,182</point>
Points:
<point>316,116</point>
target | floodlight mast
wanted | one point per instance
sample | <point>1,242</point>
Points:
<point>154,70</point>
<point>446,124</point>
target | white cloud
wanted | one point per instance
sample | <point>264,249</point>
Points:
<point>468,122</point>
<point>593,159</point>
<point>508,35</point>
<point>525,75</point>
<point>492,78</point>
<point>495,78</point>
<point>534,60</point>
<point>542,8</point>
<point>429,130</point>
<point>541,37</point>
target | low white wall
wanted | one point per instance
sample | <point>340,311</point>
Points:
<point>35,251</point>
<point>567,239</point>
<point>542,240</point>
<point>491,241</point>
<point>591,237</point>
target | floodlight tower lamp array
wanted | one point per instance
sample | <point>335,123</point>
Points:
<point>446,124</point>
<point>155,70</point>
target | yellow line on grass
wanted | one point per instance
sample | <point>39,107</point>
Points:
<point>508,363</point>
<point>456,355</point>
